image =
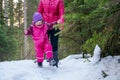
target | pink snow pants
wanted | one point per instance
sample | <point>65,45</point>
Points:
<point>42,48</point>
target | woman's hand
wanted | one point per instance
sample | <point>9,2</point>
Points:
<point>61,28</point>
<point>59,21</point>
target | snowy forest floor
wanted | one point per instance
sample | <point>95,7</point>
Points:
<point>73,67</point>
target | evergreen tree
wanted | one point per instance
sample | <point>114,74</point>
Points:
<point>87,25</point>
<point>112,46</point>
<point>9,42</point>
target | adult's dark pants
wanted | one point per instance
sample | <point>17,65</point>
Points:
<point>54,41</point>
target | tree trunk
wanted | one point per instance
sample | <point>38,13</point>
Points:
<point>11,12</point>
<point>25,26</point>
<point>1,12</point>
<point>6,12</point>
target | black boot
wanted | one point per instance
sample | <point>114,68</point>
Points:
<point>52,62</point>
<point>40,64</point>
<point>55,64</point>
<point>55,57</point>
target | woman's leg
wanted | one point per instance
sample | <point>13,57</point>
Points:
<point>54,42</point>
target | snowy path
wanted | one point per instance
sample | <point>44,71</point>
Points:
<point>71,68</point>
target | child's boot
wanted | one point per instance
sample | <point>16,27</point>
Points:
<point>40,64</point>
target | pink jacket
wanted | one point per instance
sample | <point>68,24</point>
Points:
<point>38,33</point>
<point>52,10</point>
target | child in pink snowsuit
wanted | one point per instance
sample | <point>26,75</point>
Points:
<point>42,45</point>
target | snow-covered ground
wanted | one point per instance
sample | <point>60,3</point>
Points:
<point>72,67</point>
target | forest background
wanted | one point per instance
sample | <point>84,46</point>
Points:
<point>87,23</point>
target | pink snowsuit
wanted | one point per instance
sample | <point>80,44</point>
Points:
<point>41,42</point>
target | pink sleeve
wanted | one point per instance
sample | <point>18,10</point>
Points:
<point>61,11</point>
<point>29,31</point>
<point>40,7</point>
